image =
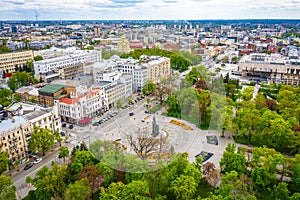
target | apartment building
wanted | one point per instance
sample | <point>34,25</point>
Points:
<point>16,130</point>
<point>9,61</point>
<point>153,68</point>
<point>83,103</point>
<point>273,67</point>
<point>157,67</point>
<point>115,92</point>
<point>73,60</point>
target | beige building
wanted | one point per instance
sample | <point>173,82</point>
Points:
<point>114,93</point>
<point>158,68</point>
<point>9,61</point>
<point>263,66</point>
<point>16,131</point>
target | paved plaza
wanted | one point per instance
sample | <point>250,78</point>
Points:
<point>190,141</point>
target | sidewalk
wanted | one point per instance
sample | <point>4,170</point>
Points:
<point>19,169</point>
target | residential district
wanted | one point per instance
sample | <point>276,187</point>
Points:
<point>150,109</point>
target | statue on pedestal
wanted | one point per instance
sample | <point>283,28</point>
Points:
<point>155,128</point>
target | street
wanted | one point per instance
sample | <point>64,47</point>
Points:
<point>19,175</point>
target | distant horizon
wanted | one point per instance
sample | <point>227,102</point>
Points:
<point>180,20</point>
<point>148,9</point>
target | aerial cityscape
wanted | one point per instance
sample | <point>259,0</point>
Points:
<point>139,99</point>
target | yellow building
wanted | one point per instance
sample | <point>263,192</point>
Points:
<point>9,61</point>
<point>16,131</point>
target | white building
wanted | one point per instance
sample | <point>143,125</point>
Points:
<point>84,103</point>
<point>78,57</point>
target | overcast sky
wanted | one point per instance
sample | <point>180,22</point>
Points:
<point>149,9</point>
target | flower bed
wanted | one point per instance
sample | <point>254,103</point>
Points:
<point>178,123</point>
<point>205,155</point>
<point>212,139</point>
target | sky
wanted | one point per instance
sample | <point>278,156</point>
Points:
<point>148,9</point>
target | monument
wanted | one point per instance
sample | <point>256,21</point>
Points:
<point>155,128</point>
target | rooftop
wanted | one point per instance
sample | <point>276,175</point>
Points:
<point>9,124</point>
<point>51,88</point>
<point>35,114</point>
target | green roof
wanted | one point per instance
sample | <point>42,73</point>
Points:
<point>51,88</point>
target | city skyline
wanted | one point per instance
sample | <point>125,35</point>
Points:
<point>148,10</point>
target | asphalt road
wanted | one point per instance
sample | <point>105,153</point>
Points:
<point>19,176</point>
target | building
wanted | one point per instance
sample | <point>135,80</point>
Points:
<point>51,92</point>
<point>9,61</point>
<point>16,130</point>
<point>83,104</point>
<point>115,92</point>
<point>71,71</point>
<point>153,68</point>
<point>126,79</point>
<point>71,62</point>
<point>273,67</point>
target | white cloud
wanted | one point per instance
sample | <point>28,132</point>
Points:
<point>149,9</point>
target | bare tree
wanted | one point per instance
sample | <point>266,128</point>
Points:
<point>146,146</point>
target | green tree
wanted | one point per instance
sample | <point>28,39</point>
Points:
<point>50,183</point>
<point>42,139</point>
<point>280,192</point>
<point>100,147</point>
<point>197,73</point>
<point>37,58</point>
<point>81,159</point>
<point>6,97</point>
<point>149,87</point>
<point>4,161</point>
<point>113,192</point>
<point>235,186</point>
<point>7,188</point>
<point>173,106</point>
<point>296,178</point>
<point>233,161</point>
<point>58,137</point>
<point>295,196</point>
<point>184,187</point>
<point>13,82</point>
<point>64,152</point>
<point>248,120</point>
<point>119,104</point>
<point>79,190</point>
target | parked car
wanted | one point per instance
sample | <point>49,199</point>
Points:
<point>96,124</point>
<point>28,166</point>
<point>71,126</point>
<point>37,160</point>
<point>131,114</point>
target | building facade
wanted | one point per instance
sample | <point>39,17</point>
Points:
<point>9,61</point>
<point>16,130</point>
<point>75,59</point>
<point>83,103</point>
<point>267,67</point>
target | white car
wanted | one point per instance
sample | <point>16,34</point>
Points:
<point>37,160</point>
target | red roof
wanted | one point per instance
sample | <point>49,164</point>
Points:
<point>85,120</point>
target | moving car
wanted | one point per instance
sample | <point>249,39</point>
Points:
<point>37,160</point>
<point>131,113</point>
<point>29,165</point>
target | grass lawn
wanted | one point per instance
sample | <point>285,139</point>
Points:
<point>155,108</point>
